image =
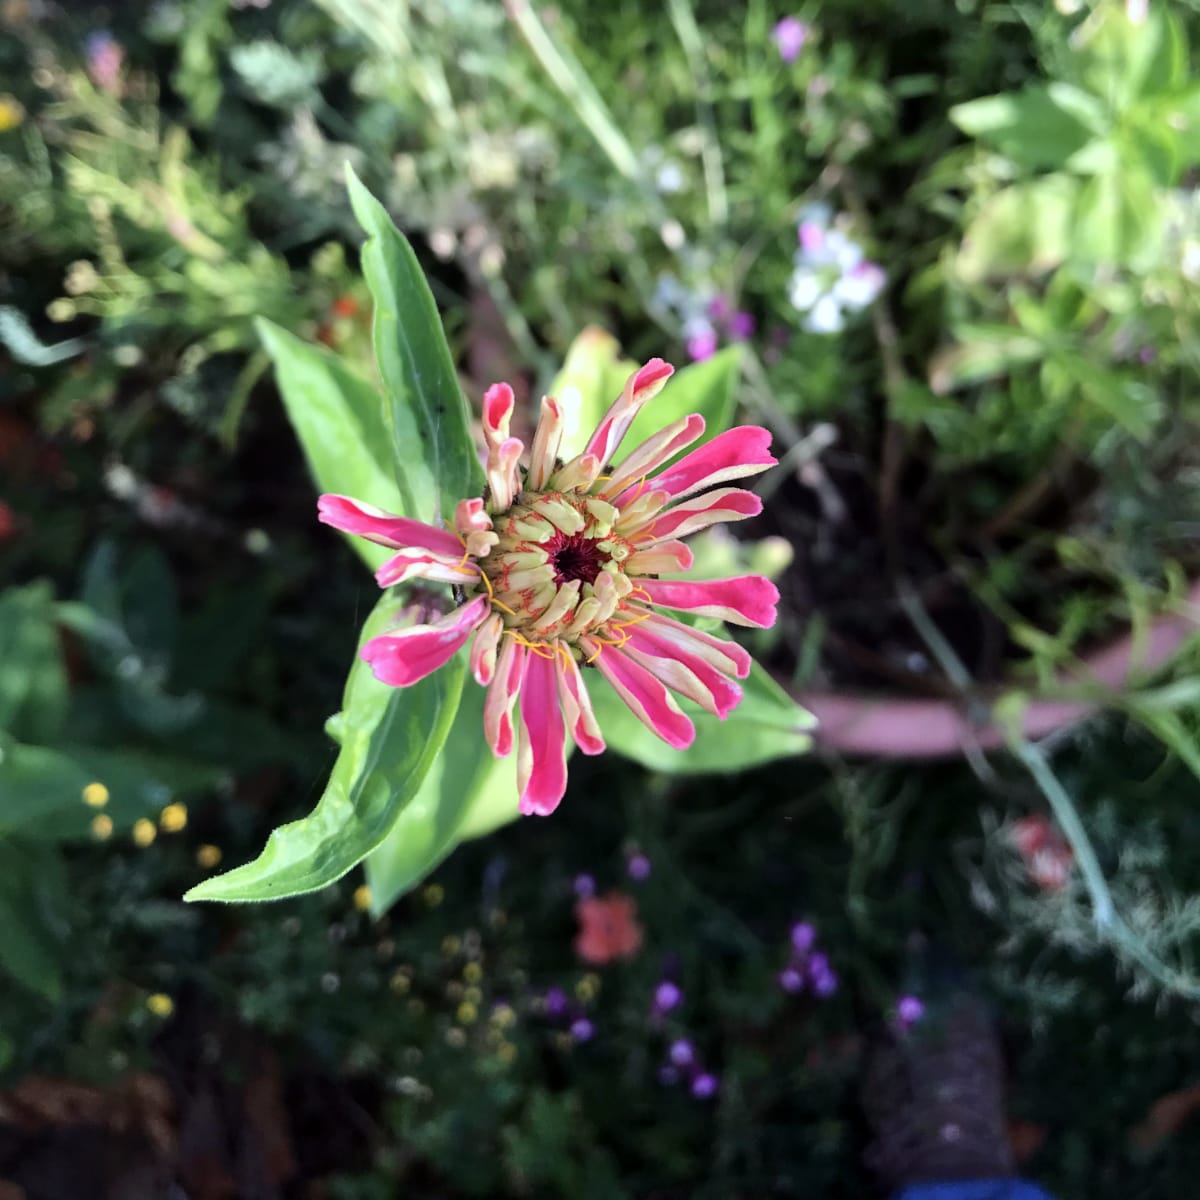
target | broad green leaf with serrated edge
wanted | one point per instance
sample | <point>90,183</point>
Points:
<point>425,412</point>
<point>338,418</point>
<point>768,724</point>
<point>467,777</point>
<point>389,739</point>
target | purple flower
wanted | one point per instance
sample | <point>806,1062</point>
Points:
<point>825,983</point>
<point>718,308</point>
<point>682,1053</point>
<point>789,36</point>
<point>818,964</point>
<point>555,1001</point>
<point>704,1085</point>
<point>638,867</point>
<point>804,937</point>
<point>702,346</point>
<point>742,325</point>
<point>667,996</point>
<point>585,886</point>
<point>909,1010</point>
<point>791,980</point>
<point>105,57</point>
<point>582,1030</point>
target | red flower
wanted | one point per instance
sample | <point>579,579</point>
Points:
<point>1046,853</point>
<point>608,928</point>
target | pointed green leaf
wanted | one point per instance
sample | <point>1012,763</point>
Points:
<point>425,412</point>
<point>1041,126</point>
<point>466,779</point>
<point>768,724</point>
<point>339,420</point>
<point>389,739</point>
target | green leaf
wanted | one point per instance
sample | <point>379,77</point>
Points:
<point>767,725</point>
<point>1123,59</point>
<point>1022,229</point>
<point>425,411</point>
<point>33,897</point>
<point>466,780</point>
<point>591,378</point>
<point>1118,219</point>
<point>389,739</point>
<point>33,681</point>
<point>706,388</point>
<point>984,352</point>
<point>1039,127</point>
<point>339,420</point>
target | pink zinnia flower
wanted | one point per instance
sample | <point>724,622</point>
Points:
<point>556,570</point>
<point>608,929</point>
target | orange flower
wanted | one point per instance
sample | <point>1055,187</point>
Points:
<point>1047,856</point>
<point>608,928</point>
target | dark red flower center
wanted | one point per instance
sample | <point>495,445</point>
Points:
<point>575,556</point>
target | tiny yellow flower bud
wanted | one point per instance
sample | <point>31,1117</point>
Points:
<point>102,826</point>
<point>433,895</point>
<point>160,1004</point>
<point>455,1037</point>
<point>472,972</point>
<point>467,1013</point>
<point>208,856</point>
<point>473,995</point>
<point>362,898</point>
<point>173,818</point>
<point>507,1053</point>
<point>585,989</point>
<point>95,795</point>
<point>11,113</point>
<point>450,945</point>
<point>143,832</point>
<point>400,983</point>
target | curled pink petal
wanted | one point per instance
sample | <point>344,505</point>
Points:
<point>663,558</point>
<point>727,657</point>
<point>712,508</point>
<point>541,751</point>
<point>419,564</point>
<point>404,657</point>
<point>642,386</point>
<point>470,516</point>
<point>730,455</point>
<point>546,441</point>
<point>577,707</point>
<point>743,600</point>
<point>485,649</point>
<point>655,451</point>
<point>502,695</point>
<point>689,675</point>
<point>502,476</point>
<point>498,402</point>
<point>365,520</point>
<point>647,696</point>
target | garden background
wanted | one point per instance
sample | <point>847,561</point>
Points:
<point>948,252</point>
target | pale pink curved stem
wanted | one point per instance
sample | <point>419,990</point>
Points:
<point>880,727</point>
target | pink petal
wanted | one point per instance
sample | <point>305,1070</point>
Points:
<point>655,451</point>
<point>541,757</point>
<point>417,564</point>
<point>404,657</point>
<point>689,675</point>
<point>727,657</point>
<point>663,558</point>
<point>502,476</point>
<point>546,440</point>
<point>498,404</point>
<point>502,695</point>
<point>471,517</point>
<point>485,648</point>
<point>365,520</point>
<point>730,455</point>
<point>744,600</point>
<point>647,697</point>
<point>577,707</point>
<point>643,385</point>
<point>725,504</point>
